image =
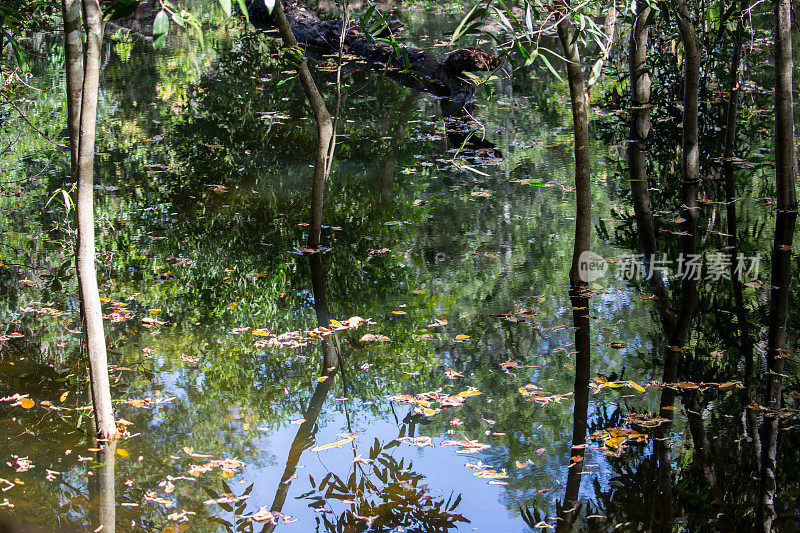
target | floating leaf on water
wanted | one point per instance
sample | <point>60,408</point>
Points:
<point>355,321</point>
<point>635,386</point>
<point>26,403</point>
<point>421,441</point>
<point>452,374</point>
<point>471,391</point>
<point>337,444</point>
<point>491,474</point>
<point>369,337</point>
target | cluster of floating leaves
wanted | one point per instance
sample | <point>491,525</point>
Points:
<point>598,383</point>
<point>518,315</point>
<point>432,402</point>
<point>615,440</point>
<point>299,339</point>
<point>540,396</point>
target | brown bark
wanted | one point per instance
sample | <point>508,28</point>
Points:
<point>580,124</point>
<point>785,178</point>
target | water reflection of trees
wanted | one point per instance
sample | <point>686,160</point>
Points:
<point>383,492</point>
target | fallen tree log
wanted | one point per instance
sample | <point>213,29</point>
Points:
<point>440,76</point>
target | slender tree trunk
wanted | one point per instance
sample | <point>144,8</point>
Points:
<point>302,440</point>
<point>745,341</point>
<point>580,318</point>
<point>704,459</point>
<point>326,134</point>
<point>583,192</point>
<point>690,177</point>
<point>102,488</point>
<point>578,289</point>
<point>82,89</point>
<point>637,158</point>
<point>73,46</point>
<point>330,366</point>
<point>785,177</point>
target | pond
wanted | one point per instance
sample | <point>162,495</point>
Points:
<point>420,372</point>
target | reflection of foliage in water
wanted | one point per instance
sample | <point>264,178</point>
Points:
<point>383,495</point>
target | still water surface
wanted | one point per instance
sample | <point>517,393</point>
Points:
<point>456,262</point>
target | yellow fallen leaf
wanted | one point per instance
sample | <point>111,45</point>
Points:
<point>63,396</point>
<point>155,311</point>
<point>635,385</point>
<point>27,403</point>
<point>122,453</point>
<point>491,474</point>
<point>337,444</point>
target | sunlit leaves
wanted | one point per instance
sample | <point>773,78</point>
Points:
<point>26,403</point>
<point>345,438</point>
<point>160,29</point>
<point>615,440</point>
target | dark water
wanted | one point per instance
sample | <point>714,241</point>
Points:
<point>460,260</point>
